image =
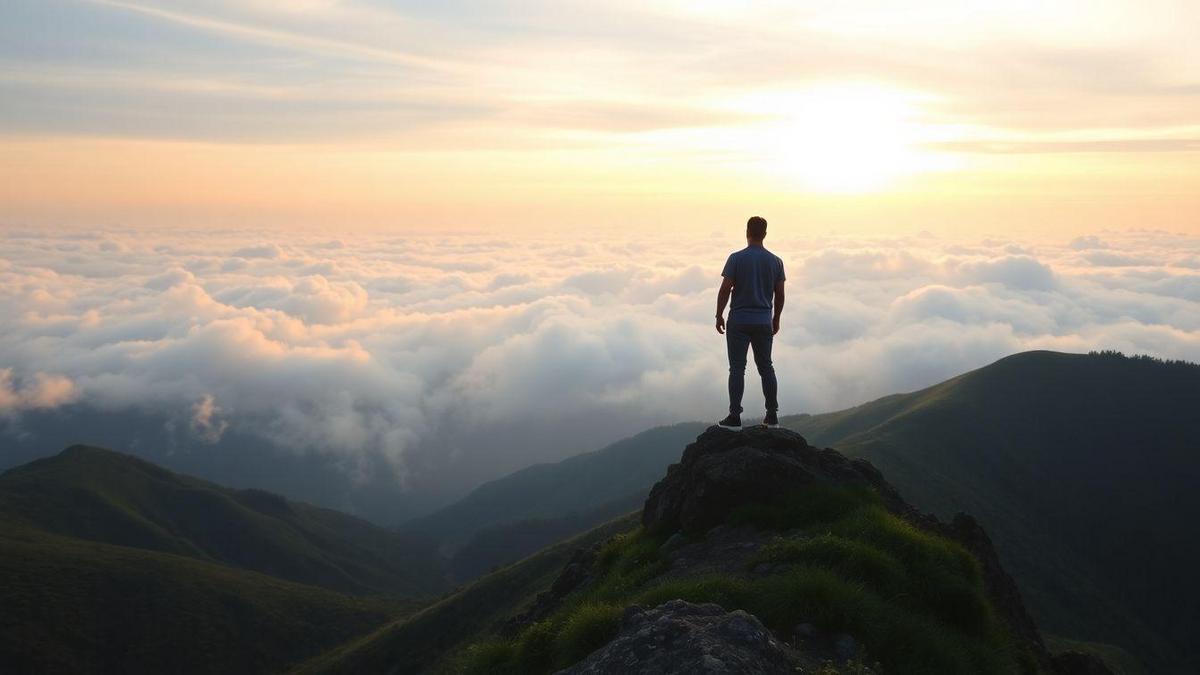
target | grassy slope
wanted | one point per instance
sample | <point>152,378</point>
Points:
<point>1119,661</point>
<point>498,545</point>
<point>573,486</point>
<point>85,607</point>
<point>1047,450</point>
<point>422,642</point>
<point>915,600</point>
<point>105,496</point>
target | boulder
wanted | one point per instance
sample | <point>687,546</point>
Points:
<point>1078,663</point>
<point>682,637</point>
<point>724,470</point>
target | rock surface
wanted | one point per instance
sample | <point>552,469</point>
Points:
<point>1078,663</point>
<point>723,470</point>
<point>681,637</point>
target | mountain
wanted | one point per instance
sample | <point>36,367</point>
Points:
<point>1084,468</point>
<point>757,552</point>
<point>509,518</point>
<point>1081,466</point>
<point>75,606</point>
<point>428,640</point>
<point>240,458</point>
<point>103,496</point>
<point>110,564</point>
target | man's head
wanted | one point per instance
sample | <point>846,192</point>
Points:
<point>756,228</point>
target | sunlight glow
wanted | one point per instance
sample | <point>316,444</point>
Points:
<point>846,137</point>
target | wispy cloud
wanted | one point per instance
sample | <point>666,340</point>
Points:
<point>319,45</point>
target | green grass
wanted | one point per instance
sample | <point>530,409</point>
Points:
<point>78,606</point>
<point>1081,467</point>
<point>1119,661</point>
<point>431,640</point>
<point>104,496</point>
<point>915,600</point>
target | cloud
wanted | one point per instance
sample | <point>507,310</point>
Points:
<point>1112,259</point>
<point>259,251</point>
<point>1016,271</point>
<point>205,422</point>
<point>445,361</point>
<point>39,391</point>
<point>1087,241</point>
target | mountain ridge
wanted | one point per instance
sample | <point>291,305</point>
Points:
<point>101,495</point>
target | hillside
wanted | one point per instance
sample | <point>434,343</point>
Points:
<point>1082,467</point>
<point>511,517</point>
<point>575,485</point>
<point>103,496</point>
<point>74,606</point>
<point>429,639</point>
<point>809,557</point>
<point>110,564</point>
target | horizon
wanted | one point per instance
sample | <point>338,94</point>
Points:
<point>435,363</point>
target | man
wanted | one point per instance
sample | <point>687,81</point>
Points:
<point>754,277</point>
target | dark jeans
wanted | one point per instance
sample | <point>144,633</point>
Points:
<point>739,337</point>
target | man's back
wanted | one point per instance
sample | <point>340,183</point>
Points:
<point>755,271</point>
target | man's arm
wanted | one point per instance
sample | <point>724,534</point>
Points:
<point>722,300</point>
<point>778,306</point>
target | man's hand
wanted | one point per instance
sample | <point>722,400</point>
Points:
<point>774,325</point>
<point>720,324</point>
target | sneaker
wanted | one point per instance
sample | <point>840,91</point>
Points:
<point>771,420</point>
<point>731,423</point>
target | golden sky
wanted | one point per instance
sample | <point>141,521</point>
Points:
<point>1016,117</point>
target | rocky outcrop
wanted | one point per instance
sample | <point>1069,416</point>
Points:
<point>718,473</point>
<point>722,471</point>
<point>576,574</point>
<point>1078,663</point>
<point>681,637</point>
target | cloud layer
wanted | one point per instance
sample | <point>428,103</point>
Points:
<point>456,359</point>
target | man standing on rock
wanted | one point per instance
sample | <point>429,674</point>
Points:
<point>754,277</point>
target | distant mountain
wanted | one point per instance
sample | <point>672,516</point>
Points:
<point>240,458</point>
<point>585,490</point>
<point>1084,468</point>
<point>103,496</point>
<point>428,640</point>
<point>497,545</point>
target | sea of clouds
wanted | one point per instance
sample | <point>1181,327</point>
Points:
<point>459,358</point>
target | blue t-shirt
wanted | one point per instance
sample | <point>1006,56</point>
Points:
<point>754,271</point>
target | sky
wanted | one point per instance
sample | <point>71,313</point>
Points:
<point>1012,118</point>
<point>437,242</point>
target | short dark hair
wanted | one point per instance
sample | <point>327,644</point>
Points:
<point>756,227</point>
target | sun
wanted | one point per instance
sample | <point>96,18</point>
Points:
<point>846,137</point>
